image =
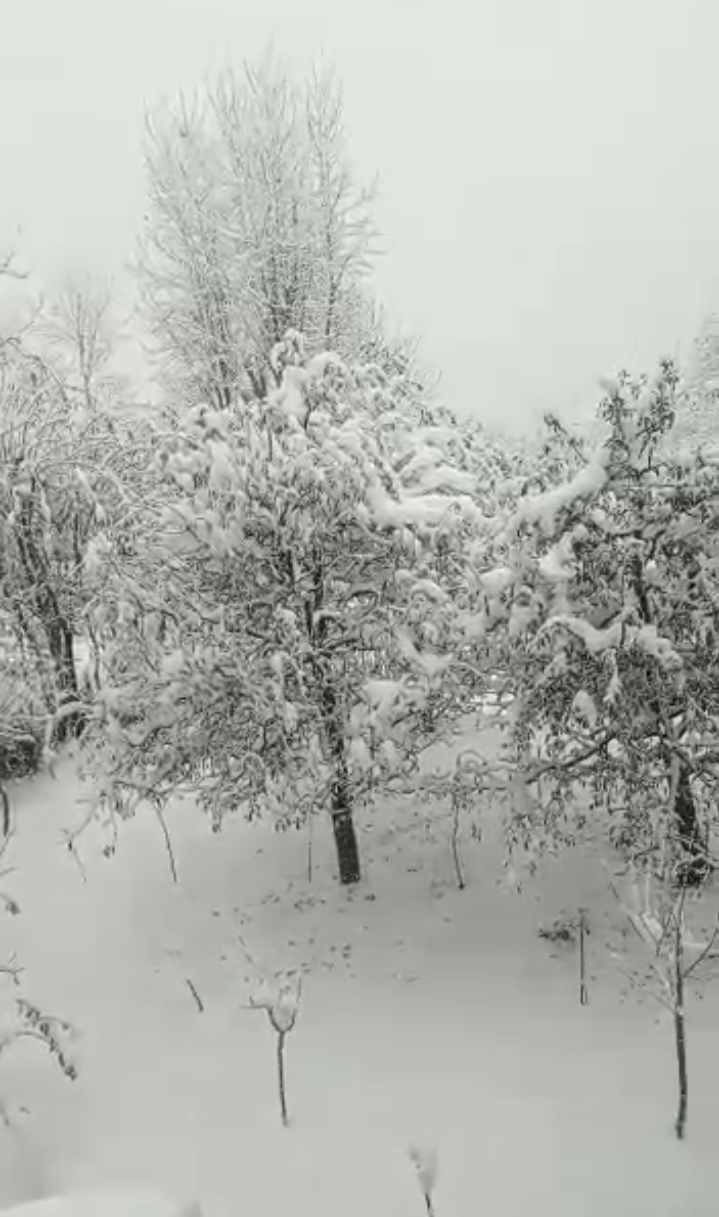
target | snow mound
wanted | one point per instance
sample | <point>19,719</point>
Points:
<point>110,1203</point>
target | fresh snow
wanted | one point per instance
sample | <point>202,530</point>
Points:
<point>115,1203</point>
<point>543,509</point>
<point>428,1016</point>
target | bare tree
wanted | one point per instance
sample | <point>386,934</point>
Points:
<point>675,958</point>
<point>77,326</point>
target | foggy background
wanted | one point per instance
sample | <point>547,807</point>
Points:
<point>548,171</point>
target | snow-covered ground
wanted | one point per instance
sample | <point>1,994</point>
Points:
<point>428,1014</point>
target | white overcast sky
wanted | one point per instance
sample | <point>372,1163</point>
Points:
<point>549,169</point>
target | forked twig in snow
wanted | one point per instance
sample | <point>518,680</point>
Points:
<point>281,1008</point>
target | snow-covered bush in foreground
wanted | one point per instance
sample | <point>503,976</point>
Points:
<point>278,640</point>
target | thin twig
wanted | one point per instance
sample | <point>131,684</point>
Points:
<point>705,952</point>
<point>583,992</point>
<point>5,800</point>
<point>657,972</point>
<point>455,841</point>
<point>170,853</point>
<point>77,859</point>
<point>281,1083</point>
<point>195,994</point>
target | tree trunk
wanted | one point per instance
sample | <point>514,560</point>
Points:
<point>693,865</point>
<point>341,808</point>
<point>346,846</point>
<point>343,827</point>
<point>45,608</point>
<point>61,644</point>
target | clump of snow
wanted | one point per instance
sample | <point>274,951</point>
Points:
<point>650,640</point>
<point>496,581</point>
<point>426,1163</point>
<point>543,509</point>
<point>584,706</point>
<point>594,640</point>
<point>281,1001</point>
<point>557,565</point>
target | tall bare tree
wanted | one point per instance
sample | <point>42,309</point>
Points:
<point>255,226</point>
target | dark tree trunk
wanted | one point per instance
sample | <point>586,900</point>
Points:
<point>71,724</point>
<point>346,846</point>
<point>693,865</point>
<point>341,807</point>
<point>348,861</point>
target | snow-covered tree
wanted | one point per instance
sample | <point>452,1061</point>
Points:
<point>77,333</point>
<point>277,642</point>
<point>255,225</point>
<point>64,468</point>
<point>601,615</point>
<point>698,397</point>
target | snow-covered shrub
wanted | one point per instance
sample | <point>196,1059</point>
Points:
<point>22,711</point>
<point>63,473</point>
<point>601,614</point>
<point>22,735</point>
